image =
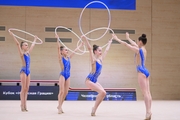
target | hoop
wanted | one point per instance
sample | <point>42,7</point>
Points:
<point>75,35</point>
<point>107,28</point>
<point>93,30</point>
<point>13,29</point>
<point>101,28</point>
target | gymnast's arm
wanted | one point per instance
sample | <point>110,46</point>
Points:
<point>59,51</point>
<point>107,49</point>
<point>131,41</point>
<point>18,45</point>
<point>133,48</point>
<point>71,55</point>
<point>33,44</point>
<point>90,49</point>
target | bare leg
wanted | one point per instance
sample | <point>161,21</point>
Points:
<point>101,94</point>
<point>66,88</point>
<point>150,99</point>
<point>102,89</point>
<point>143,82</point>
<point>61,93</point>
<point>22,94</point>
<point>26,91</point>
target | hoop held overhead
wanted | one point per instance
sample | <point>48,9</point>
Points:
<point>109,23</point>
<point>65,45</point>
<point>14,29</point>
<point>85,34</point>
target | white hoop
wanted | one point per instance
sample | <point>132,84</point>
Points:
<point>93,30</point>
<point>75,35</point>
<point>107,28</point>
<point>13,29</point>
<point>101,28</point>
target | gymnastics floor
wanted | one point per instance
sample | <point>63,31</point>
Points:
<point>80,110</point>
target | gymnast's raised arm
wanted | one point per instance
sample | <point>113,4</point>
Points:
<point>130,40</point>
<point>18,44</point>
<point>107,49</point>
<point>89,48</point>
<point>33,44</point>
<point>59,50</point>
<point>133,48</point>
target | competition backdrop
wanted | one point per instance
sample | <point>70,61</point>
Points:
<point>38,92</point>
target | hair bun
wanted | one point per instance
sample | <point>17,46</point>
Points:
<point>94,46</point>
<point>144,35</point>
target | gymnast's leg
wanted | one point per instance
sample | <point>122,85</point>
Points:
<point>101,94</point>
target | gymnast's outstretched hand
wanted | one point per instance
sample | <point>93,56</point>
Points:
<point>127,35</point>
<point>115,37</point>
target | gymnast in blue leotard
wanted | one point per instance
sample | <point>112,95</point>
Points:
<point>143,73</point>
<point>94,75</point>
<point>64,76</point>
<point>26,67</point>
<point>24,52</point>
<point>141,67</point>
<point>91,80</point>
<point>66,68</point>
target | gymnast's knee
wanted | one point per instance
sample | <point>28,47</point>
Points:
<point>103,93</point>
<point>26,89</point>
<point>145,93</point>
<point>61,92</point>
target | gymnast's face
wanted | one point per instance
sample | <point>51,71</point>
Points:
<point>25,46</point>
<point>65,51</point>
<point>98,52</point>
<point>139,43</point>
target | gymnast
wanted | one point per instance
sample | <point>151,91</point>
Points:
<point>96,58</point>
<point>143,73</point>
<point>24,52</point>
<point>64,78</point>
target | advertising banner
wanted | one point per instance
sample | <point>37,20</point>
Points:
<point>51,93</point>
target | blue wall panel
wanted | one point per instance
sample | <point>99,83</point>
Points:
<point>112,4</point>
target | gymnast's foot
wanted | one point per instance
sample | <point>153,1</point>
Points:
<point>26,110</point>
<point>93,112</point>
<point>22,108</point>
<point>60,111</point>
<point>148,116</point>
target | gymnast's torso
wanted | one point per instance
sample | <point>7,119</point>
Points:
<point>96,71</point>
<point>25,64</point>
<point>140,59</point>
<point>65,67</point>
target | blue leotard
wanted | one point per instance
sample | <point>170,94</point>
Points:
<point>93,76</point>
<point>67,66</point>
<point>26,68</point>
<point>141,68</point>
